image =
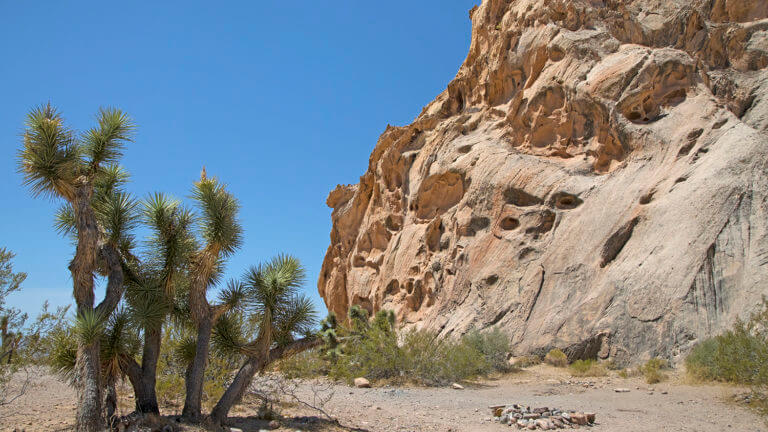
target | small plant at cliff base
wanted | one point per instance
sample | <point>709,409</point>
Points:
<point>373,349</point>
<point>738,356</point>
<point>651,370</point>
<point>556,358</point>
<point>587,368</point>
<point>527,361</point>
<point>494,345</point>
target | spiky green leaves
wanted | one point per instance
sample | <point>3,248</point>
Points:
<point>116,211</point>
<point>298,316</point>
<point>63,354</point>
<point>104,143</point>
<point>228,335</point>
<point>172,241</point>
<point>88,326</point>
<point>220,228</point>
<point>50,158</point>
<point>233,295</point>
<point>117,214</point>
<point>119,339</point>
<point>273,285</point>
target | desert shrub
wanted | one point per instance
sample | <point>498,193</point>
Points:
<point>373,349</point>
<point>527,361</point>
<point>587,368</point>
<point>307,364</point>
<point>738,356</point>
<point>494,346</point>
<point>651,370</point>
<point>556,358</point>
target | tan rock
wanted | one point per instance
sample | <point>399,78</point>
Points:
<point>593,177</point>
<point>579,418</point>
<point>362,383</point>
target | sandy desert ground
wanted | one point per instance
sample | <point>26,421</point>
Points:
<point>672,405</point>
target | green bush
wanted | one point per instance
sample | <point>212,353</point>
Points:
<point>651,370</point>
<point>373,349</point>
<point>494,345</point>
<point>737,356</point>
<point>556,358</point>
<point>587,368</point>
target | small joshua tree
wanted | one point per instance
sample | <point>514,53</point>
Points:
<point>272,299</point>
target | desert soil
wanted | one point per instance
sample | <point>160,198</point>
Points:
<point>672,405</point>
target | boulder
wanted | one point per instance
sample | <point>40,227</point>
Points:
<point>361,382</point>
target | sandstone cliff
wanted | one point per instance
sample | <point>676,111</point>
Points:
<point>593,179</point>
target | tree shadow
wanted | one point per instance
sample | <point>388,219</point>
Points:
<point>304,423</point>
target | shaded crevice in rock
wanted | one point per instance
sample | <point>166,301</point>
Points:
<point>587,349</point>
<point>565,201</point>
<point>616,242</point>
<point>520,198</point>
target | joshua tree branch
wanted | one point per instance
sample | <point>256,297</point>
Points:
<point>115,284</point>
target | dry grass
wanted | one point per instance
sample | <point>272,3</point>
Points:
<point>588,368</point>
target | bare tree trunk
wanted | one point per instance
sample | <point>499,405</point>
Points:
<point>89,417</point>
<point>236,390</point>
<point>253,365</point>
<point>146,396</point>
<point>196,372</point>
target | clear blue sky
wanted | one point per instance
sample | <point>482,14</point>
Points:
<point>280,100</point>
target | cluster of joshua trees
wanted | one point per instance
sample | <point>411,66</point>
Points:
<point>168,277</point>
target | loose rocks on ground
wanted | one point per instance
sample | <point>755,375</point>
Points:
<point>544,418</point>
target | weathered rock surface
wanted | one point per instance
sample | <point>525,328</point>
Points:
<point>593,179</point>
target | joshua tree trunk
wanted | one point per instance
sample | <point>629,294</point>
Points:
<point>244,377</point>
<point>236,390</point>
<point>111,402</point>
<point>146,397</point>
<point>88,375</point>
<point>88,253</point>
<point>196,371</point>
<point>88,370</point>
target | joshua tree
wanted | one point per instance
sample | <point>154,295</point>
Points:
<point>221,235</point>
<point>271,298</point>
<point>82,170</point>
<point>153,287</point>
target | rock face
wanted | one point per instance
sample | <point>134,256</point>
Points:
<point>593,179</point>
